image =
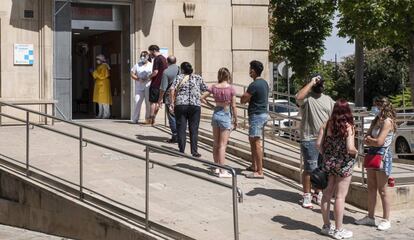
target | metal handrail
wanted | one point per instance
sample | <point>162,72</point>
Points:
<point>237,194</point>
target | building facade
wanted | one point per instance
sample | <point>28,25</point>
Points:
<point>48,47</point>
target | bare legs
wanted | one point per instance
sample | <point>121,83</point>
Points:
<point>221,137</point>
<point>257,155</point>
<point>306,183</point>
<point>326,200</point>
<point>377,181</point>
<point>154,111</point>
<point>339,186</point>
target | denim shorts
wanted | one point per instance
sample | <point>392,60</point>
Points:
<point>386,161</point>
<point>256,123</point>
<point>311,156</point>
<point>221,118</point>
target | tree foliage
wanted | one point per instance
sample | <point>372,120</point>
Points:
<point>380,23</point>
<point>384,72</point>
<point>298,31</point>
<point>402,99</point>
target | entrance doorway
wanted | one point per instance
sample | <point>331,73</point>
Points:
<point>83,31</point>
<point>86,45</point>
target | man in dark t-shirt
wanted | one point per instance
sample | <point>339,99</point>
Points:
<point>158,66</point>
<point>257,95</point>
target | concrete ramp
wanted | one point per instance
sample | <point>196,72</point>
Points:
<point>28,203</point>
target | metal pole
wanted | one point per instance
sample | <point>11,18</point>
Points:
<point>27,143</point>
<point>235,207</point>
<point>165,115</point>
<point>263,141</point>
<point>361,148</point>
<point>147,188</point>
<point>53,113</point>
<point>45,113</point>
<point>244,112</point>
<point>1,115</point>
<point>80,163</point>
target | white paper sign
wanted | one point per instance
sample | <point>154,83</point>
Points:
<point>164,52</point>
<point>23,54</point>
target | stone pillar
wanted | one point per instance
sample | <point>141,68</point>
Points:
<point>250,37</point>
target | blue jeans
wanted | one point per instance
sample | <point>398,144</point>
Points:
<point>221,118</point>
<point>256,124</point>
<point>311,156</point>
<point>171,121</point>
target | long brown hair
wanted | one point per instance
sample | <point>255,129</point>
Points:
<point>386,110</point>
<point>223,75</point>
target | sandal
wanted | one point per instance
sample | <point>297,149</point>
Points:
<point>250,168</point>
<point>254,175</point>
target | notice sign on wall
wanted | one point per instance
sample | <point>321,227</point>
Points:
<point>23,54</point>
<point>164,52</point>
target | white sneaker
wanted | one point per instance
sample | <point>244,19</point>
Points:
<point>307,200</point>
<point>342,234</point>
<point>366,221</point>
<point>328,230</point>
<point>384,225</point>
<point>224,174</point>
<point>317,198</point>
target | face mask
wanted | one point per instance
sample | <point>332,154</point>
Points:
<point>98,61</point>
<point>375,110</point>
<point>143,59</point>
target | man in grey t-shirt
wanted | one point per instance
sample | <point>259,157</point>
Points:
<point>168,77</point>
<point>316,108</point>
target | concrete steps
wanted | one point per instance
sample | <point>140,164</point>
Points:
<point>282,157</point>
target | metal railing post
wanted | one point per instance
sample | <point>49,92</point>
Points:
<point>361,148</point>
<point>80,163</point>
<point>165,115</point>
<point>27,143</point>
<point>263,141</point>
<point>235,206</point>
<point>244,112</point>
<point>147,188</point>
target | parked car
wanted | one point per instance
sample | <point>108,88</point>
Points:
<point>281,108</point>
<point>404,139</point>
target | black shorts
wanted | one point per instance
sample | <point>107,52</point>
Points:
<point>154,94</point>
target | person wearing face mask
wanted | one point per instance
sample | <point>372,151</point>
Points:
<point>140,73</point>
<point>102,88</point>
<point>374,109</point>
<point>316,108</point>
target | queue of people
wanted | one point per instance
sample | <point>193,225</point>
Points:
<point>328,144</point>
<point>327,128</point>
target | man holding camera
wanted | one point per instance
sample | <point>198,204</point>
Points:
<point>316,109</point>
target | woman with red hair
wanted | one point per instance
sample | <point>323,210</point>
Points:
<point>337,144</point>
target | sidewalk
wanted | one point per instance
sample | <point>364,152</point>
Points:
<point>192,206</point>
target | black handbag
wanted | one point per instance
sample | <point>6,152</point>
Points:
<point>319,179</point>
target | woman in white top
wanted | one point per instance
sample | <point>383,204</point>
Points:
<point>379,139</point>
<point>140,74</point>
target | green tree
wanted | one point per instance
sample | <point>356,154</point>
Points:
<point>384,72</point>
<point>380,23</point>
<point>402,99</point>
<point>298,32</point>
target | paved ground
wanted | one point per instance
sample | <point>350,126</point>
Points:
<point>193,206</point>
<point>12,233</point>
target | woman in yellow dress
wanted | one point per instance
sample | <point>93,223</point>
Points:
<point>102,89</point>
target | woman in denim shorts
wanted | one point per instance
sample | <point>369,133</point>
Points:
<point>224,117</point>
<point>379,138</point>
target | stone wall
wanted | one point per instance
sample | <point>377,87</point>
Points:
<point>27,205</point>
